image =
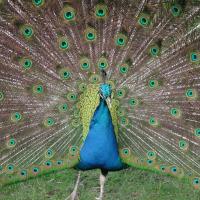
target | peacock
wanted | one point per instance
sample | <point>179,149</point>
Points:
<point>99,84</point>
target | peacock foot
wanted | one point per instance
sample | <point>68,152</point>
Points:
<point>102,179</point>
<point>99,198</point>
<point>73,196</point>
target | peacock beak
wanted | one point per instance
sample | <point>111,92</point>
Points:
<point>108,101</point>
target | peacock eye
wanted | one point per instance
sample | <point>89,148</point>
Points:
<point>63,43</point>
<point>121,93</point>
<point>23,173</point>
<point>125,152</point>
<point>16,117</point>
<point>27,31</point>
<point>90,36</point>
<point>85,65</point>
<point>103,63</point>
<point>174,169</point>
<point>72,96</point>
<point>153,84</point>
<point>10,168</point>
<point>35,170</point>
<point>149,162</point>
<point>176,10</point>
<point>38,3</point>
<point>175,112</point>
<point>197,132</point>
<point>144,20</point>
<point>1,96</point>
<point>162,167</point>
<point>48,122</point>
<point>27,63</point>
<point>123,69</point>
<point>191,94</point>
<point>121,40</point>
<point>64,73</point>
<point>59,162</point>
<point>124,121</point>
<point>153,121</point>
<point>133,102</point>
<point>63,107</point>
<point>69,14</point>
<point>196,181</point>
<point>183,145</point>
<point>11,143</point>
<point>73,151</point>
<point>38,89</point>
<point>101,11</point>
<point>154,50</point>
<point>151,155</point>
<point>194,57</point>
<point>95,78</point>
<point>48,163</point>
<point>49,153</point>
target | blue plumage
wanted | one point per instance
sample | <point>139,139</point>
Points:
<point>100,148</point>
<point>106,90</point>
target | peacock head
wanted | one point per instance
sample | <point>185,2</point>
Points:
<point>105,90</point>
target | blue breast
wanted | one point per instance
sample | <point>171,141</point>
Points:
<point>100,148</point>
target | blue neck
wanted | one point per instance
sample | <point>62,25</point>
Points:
<point>100,149</point>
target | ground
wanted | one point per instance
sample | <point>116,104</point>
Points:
<point>130,184</point>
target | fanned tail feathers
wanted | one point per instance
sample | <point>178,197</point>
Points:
<point>51,52</point>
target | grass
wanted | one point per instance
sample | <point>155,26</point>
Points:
<point>130,184</point>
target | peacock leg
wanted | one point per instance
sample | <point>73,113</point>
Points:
<point>73,195</point>
<point>102,179</point>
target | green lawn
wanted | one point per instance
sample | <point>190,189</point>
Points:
<point>130,184</point>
